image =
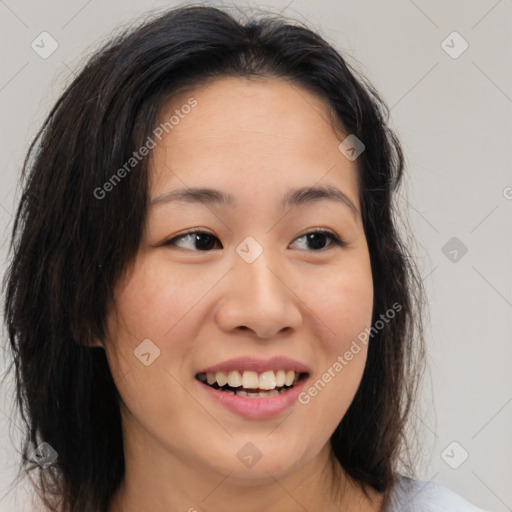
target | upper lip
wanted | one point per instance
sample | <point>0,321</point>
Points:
<point>258,365</point>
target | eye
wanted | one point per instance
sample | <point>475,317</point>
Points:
<point>205,241</point>
<point>195,240</point>
<point>202,241</point>
<point>317,239</point>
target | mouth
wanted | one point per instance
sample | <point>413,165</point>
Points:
<point>252,384</point>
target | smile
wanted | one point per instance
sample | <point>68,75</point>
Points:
<point>251,384</point>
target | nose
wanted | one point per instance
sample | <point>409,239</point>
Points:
<point>259,298</point>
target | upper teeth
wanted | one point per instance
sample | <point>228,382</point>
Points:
<point>252,380</point>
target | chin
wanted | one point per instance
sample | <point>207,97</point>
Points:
<point>260,461</point>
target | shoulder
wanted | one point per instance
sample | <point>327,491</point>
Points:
<point>410,495</point>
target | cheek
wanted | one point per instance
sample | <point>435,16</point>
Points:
<point>155,300</point>
<point>342,302</point>
<point>342,305</point>
<point>145,355</point>
<point>149,332</point>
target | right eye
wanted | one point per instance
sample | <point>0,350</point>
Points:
<point>195,241</point>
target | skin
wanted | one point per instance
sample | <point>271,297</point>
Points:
<point>255,140</point>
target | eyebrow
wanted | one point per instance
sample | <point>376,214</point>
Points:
<point>292,199</point>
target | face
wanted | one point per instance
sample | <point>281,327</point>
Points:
<point>251,293</point>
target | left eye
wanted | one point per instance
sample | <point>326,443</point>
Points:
<point>317,239</point>
<point>202,241</point>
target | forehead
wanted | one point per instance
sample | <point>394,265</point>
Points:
<point>232,104</point>
<point>249,134</point>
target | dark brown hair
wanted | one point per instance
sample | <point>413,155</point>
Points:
<point>70,248</point>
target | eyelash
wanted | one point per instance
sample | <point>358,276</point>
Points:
<point>336,242</point>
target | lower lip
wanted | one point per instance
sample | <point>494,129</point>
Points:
<point>256,408</point>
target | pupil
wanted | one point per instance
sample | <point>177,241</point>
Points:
<point>314,240</point>
<point>204,246</point>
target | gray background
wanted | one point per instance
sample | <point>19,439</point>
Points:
<point>453,118</point>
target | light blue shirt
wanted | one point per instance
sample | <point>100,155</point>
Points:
<point>418,496</point>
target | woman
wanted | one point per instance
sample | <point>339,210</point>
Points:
<point>182,340</point>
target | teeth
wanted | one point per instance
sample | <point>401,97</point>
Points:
<point>254,394</point>
<point>268,380</point>
<point>234,379</point>
<point>222,378</point>
<point>251,380</point>
<point>290,376</point>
